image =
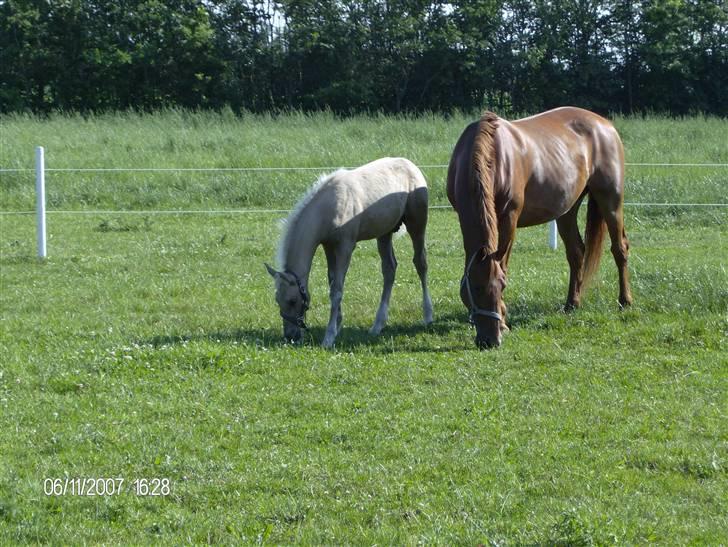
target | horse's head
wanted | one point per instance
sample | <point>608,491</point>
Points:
<point>293,300</point>
<point>481,291</point>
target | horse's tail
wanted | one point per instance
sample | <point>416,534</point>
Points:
<point>594,236</point>
<point>400,229</point>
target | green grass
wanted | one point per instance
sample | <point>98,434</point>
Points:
<point>149,346</point>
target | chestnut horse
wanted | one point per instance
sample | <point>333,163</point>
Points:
<point>504,175</point>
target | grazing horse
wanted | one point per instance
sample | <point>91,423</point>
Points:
<point>504,175</point>
<point>342,208</point>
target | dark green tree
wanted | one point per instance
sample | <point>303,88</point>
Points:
<point>364,55</point>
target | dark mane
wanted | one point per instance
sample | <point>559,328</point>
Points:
<point>482,167</point>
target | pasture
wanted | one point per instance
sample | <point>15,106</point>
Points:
<point>148,346</point>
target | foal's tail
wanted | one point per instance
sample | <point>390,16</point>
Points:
<point>594,236</point>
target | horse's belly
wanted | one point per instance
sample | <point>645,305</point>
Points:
<point>381,218</point>
<point>547,200</point>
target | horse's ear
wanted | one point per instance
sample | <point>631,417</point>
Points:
<point>274,274</point>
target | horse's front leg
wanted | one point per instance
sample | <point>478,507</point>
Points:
<point>507,236</point>
<point>331,267</point>
<point>342,258</point>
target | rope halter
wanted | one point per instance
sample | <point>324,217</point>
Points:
<point>300,319</point>
<point>474,309</point>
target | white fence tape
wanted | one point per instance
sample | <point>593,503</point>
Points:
<point>41,212</point>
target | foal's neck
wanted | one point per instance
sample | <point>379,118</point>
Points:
<point>302,242</point>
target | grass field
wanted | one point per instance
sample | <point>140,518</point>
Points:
<point>147,346</point>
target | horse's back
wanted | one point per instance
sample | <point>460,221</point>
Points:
<point>563,115</point>
<point>372,200</point>
<point>575,125</point>
<point>386,175</point>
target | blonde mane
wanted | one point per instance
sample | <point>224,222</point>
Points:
<point>482,180</point>
<point>288,224</point>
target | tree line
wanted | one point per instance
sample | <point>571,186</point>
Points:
<point>666,56</point>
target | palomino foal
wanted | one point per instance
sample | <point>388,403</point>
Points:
<point>342,208</point>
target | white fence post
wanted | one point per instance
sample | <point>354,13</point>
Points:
<point>553,241</point>
<point>40,211</point>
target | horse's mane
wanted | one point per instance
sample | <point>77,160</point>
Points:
<point>482,170</point>
<point>288,224</point>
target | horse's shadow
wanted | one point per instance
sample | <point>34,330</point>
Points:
<point>532,314</point>
<point>358,336</point>
<point>521,315</point>
<point>265,337</point>
<point>349,338</point>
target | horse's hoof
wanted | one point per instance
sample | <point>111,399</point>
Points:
<point>375,330</point>
<point>327,344</point>
<point>427,315</point>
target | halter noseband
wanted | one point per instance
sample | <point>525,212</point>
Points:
<point>474,309</point>
<point>298,320</point>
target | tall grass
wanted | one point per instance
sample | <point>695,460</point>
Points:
<point>183,139</point>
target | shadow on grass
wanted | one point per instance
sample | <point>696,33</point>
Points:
<point>409,337</point>
<point>256,337</point>
<point>349,338</point>
<point>13,260</point>
<point>354,337</point>
<point>532,314</point>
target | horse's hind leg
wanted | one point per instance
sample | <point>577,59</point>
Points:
<point>611,206</point>
<point>416,223</point>
<point>574,245</point>
<point>620,252</point>
<point>389,268</point>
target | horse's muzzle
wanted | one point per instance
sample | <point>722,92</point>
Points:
<point>292,334</point>
<point>487,343</point>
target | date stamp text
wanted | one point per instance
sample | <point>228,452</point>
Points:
<point>111,486</point>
